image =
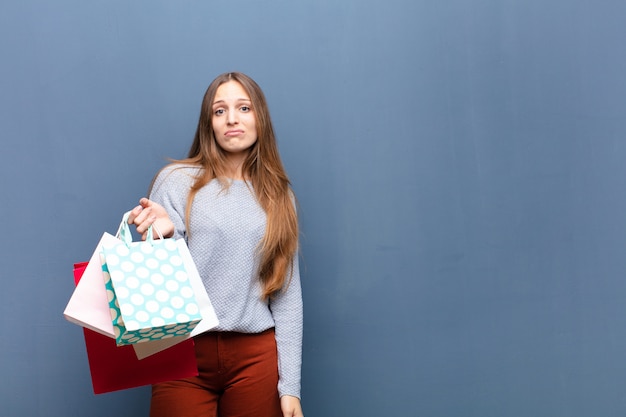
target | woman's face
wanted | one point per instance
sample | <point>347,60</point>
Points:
<point>233,119</point>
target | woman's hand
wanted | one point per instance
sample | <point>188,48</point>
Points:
<point>291,406</point>
<point>148,213</point>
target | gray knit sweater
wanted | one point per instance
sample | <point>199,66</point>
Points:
<point>225,229</point>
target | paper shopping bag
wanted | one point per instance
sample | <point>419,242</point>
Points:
<point>209,318</point>
<point>149,292</point>
<point>89,307</point>
<point>116,368</point>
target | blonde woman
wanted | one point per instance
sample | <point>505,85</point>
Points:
<point>232,202</point>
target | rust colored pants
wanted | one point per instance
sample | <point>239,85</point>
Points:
<point>238,377</point>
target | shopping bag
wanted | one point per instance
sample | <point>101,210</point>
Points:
<point>149,292</point>
<point>89,306</point>
<point>114,368</point>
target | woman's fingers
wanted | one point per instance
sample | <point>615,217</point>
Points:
<point>142,216</point>
<point>148,213</point>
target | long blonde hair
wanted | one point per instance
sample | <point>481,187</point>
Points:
<point>264,169</point>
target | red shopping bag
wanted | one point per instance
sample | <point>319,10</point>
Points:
<point>116,368</point>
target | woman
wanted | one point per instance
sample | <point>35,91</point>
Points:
<point>231,200</point>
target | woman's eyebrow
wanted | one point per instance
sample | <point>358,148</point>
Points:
<point>237,101</point>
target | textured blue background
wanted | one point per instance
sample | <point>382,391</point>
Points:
<point>459,165</point>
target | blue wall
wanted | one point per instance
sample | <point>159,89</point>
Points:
<point>459,165</point>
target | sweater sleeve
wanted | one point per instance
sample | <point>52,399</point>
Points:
<point>287,311</point>
<point>170,189</point>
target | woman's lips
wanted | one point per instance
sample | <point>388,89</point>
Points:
<point>234,132</point>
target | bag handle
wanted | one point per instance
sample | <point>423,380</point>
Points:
<point>124,234</point>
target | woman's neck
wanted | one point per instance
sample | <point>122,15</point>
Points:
<point>234,167</point>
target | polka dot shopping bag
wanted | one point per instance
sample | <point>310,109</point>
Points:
<point>149,292</point>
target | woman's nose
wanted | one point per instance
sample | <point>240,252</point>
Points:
<point>232,117</point>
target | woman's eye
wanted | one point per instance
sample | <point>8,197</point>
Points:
<point>245,108</point>
<point>219,112</point>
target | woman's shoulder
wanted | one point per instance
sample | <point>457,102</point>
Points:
<point>176,174</point>
<point>180,168</point>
